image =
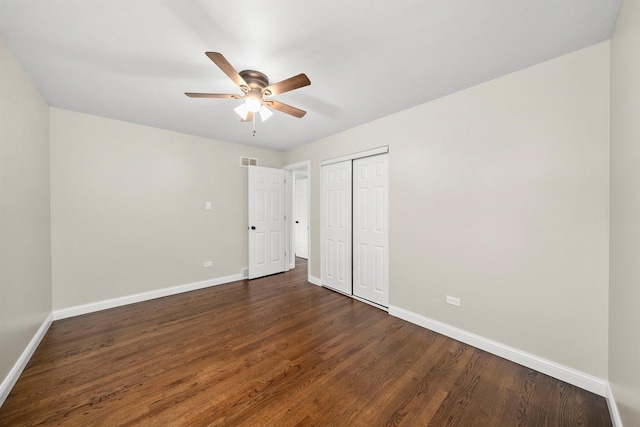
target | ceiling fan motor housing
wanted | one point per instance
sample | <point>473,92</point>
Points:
<point>255,80</point>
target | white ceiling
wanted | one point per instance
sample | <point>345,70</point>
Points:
<point>133,60</point>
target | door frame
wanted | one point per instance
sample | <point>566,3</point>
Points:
<point>299,166</point>
<point>360,154</point>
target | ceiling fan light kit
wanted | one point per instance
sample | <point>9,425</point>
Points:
<point>255,86</point>
<point>242,111</point>
<point>265,113</point>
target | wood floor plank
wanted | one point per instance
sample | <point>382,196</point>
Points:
<point>452,409</point>
<point>277,351</point>
<point>492,393</point>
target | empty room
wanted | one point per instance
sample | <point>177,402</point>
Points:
<point>322,213</point>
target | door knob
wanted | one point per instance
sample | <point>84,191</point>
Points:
<point>297,222</point>
<point>253,227</point>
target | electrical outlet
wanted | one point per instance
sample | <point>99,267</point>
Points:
<point>453,301</point>
<point>208,263</point>
<point>207,205</point>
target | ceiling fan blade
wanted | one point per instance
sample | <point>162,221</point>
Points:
<point>249,117</point>
<point>295,82</point>
<point>228,69</point>
<point>285,108</point>
<point>211,95</point>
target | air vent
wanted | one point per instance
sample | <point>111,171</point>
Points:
<point>248,161</point>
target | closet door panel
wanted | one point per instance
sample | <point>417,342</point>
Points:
<point>336,228</point>
<point>370,229</point>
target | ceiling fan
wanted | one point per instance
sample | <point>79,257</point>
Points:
<point>255,86</point>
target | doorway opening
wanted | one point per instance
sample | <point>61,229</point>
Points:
<point>300,213</point>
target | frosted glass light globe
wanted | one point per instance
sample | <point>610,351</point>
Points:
<point>253,104</point>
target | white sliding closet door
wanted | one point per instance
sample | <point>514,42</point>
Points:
<point>370,229</point>
<point>336,220</point>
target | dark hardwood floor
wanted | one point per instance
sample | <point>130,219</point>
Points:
<point>277,351</point>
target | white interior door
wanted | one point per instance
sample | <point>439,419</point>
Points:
<point>301,218</point>
<point>266,221</point>
<point>335,220</point>
<point>370,229</point>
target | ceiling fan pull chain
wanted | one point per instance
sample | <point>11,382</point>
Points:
<point>254,125</point>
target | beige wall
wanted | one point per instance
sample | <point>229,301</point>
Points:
<point>624,293</point>
<point>127,208</point>
<point>499,196</point>
<point>25,239</point>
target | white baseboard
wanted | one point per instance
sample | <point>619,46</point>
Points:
<point>613,408</point>
<point>145,296</point>
<point>553,369</point>
<point>15,372</point>
<point>314,280</point>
